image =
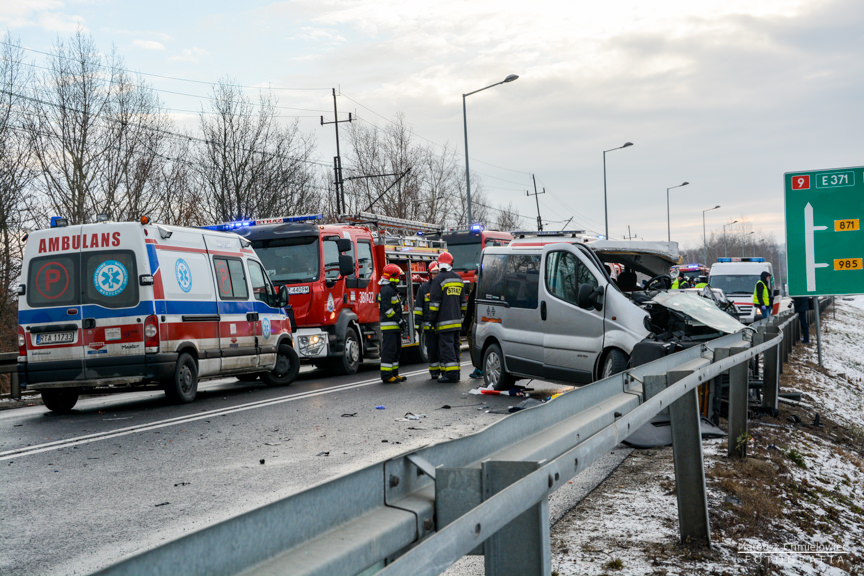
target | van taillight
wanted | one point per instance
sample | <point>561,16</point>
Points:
<point>151,334</point>
<point>22,342</point>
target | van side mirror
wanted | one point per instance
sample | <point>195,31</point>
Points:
<point>346,265</point>
<point>343,244</point>
<point>283,296</point>
<point>590,297</point>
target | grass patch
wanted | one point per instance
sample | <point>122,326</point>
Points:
<point>796,457</point>
<point>614,564</point>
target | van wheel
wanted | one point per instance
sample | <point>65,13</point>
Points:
<point>349,362</point>
<point>616,361</point>
<point>286,369</point>
<point>184,386</point>
<point>494,374</point>
<point>60,400</point>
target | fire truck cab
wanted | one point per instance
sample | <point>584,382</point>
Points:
<point>331,272</point>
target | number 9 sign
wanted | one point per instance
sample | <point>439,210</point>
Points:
<point>801,182</point>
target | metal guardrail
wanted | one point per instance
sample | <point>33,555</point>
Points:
<point>485,493</point>
<point>9,365</point>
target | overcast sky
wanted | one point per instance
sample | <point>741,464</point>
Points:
<point>725,94</point>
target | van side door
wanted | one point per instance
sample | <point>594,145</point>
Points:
<point>572,336</point>
<point>237,315</point>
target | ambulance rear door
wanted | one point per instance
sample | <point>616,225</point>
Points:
<point>113,312</point>
<point>49,312</point>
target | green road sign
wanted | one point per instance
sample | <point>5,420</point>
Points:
<point>824,239</point>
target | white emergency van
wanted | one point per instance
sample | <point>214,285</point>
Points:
<point>737,278</point>
<point>116,305</point>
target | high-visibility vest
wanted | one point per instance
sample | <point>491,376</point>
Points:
<point>701,285</point>
<point>766,295</point>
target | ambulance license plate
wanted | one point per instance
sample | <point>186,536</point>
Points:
<point>55,338</point>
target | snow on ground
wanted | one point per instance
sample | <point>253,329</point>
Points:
<point>794,506</point>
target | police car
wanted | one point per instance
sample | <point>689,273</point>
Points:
<point>115,305</point>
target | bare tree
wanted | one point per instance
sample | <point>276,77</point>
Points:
<point>249,165</point>
<point>508,219</point>
<point>15,176</point>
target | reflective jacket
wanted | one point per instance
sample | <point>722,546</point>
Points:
<point>447,302</point>
<point>761,294</point>
<point>421,306</point>
<point>390,306</point>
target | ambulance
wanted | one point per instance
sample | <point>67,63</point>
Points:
<point>115,306</point>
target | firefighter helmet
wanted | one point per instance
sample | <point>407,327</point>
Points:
<point>392,272</point>
<point>433,267</point>
<point>445,261</point>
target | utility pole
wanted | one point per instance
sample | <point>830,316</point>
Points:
<point>537,200</point>
<point>337,160</point>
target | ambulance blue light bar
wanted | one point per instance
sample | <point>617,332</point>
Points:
<point>228,226</point>
<point>742,259</point>
<point>59,221</point>
<point>476,227</point>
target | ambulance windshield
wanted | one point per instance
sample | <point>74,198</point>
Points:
<point>290,260</point>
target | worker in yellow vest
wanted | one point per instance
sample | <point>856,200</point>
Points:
<point>762,294</point>
<point>680,282</point>
<point>702,282</point>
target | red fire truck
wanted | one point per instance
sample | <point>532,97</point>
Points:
<point>466,246</point>
<point>331,272</point>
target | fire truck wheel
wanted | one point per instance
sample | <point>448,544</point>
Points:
<point>286,369</point>
<point>60,400</point>
<point>349,362</point>
<point>494,373</point>
<point>183,387</point>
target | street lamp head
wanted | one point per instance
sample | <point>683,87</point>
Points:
<point>626,144</point>
<point>715,207</point>
<point>511,78</point>
<point>685,183</point>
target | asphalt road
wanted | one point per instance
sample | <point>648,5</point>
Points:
<point>126,472</point>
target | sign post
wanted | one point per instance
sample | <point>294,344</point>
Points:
<point>824,240</point>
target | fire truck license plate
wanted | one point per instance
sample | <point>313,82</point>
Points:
<point>55,338</point>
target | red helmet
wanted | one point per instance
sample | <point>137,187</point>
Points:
<point>392,272</point>
<point>445,261</point>
<point>433,267</point>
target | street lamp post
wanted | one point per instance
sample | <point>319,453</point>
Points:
<point>668,218</point>
<point>509,78</point>
<point>724,236</point>
<point>745,241</point>
<point>704,239</point>
<point>605,206</point>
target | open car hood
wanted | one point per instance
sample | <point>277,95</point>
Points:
<point>651,258</point>
<point>700,309</point>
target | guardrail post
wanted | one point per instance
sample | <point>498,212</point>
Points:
<point>522,548</point>
<point>738,398</point>
<point>689,467</point>
<point>14,385</point>
<point>771,373</point>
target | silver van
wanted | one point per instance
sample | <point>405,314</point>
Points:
<point>547,308</point>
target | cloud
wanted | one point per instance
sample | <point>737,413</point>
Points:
<point>148,44</point>
<point>190,55</point>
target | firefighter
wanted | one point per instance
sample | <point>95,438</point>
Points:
<point>421,318</point>
<point>446,306</point>
<point>391,321</point>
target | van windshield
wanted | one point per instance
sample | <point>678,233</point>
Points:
<point>290,260</point>
<point>734,283</point>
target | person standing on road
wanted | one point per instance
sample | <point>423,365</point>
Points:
<point>391,322</point>
<point>802,306</point>
<point>680,282</point>
<point>446,304</point>
<point>468,325</point>
<point>421,318</point>
<point>762,294</point>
